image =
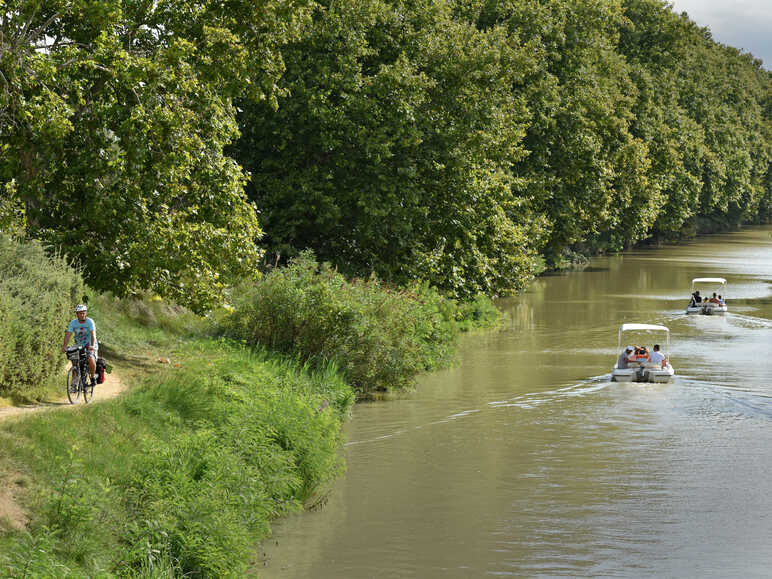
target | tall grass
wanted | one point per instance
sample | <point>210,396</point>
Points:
<point>37,294</point>
<point>378,336</point>
<point>181,476</point>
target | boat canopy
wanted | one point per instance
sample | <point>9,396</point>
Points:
<point>646,328</point>
<point>708,280</point>
<point>649,327</point>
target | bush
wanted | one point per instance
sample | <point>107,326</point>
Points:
<point>37,293</point>
<point>379,337</point>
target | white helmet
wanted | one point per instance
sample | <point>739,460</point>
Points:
<point>80,308</point>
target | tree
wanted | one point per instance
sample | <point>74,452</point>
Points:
<point>116,115</point>
<point>393,151</point>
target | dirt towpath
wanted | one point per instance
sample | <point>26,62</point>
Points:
<point>11,514</point>
<point>112,387</point>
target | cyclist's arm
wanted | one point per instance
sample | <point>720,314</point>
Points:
<point>93,339</point>
<point>67,336</point>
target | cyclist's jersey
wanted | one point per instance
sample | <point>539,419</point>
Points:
<point>82,331</point>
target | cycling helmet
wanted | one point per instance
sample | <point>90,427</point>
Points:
<point>80,308</point>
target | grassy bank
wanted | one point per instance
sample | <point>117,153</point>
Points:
<point>217,436</point>
<point>379,336</point>
<point>180,476</point>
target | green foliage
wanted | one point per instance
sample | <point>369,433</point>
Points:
<point>181,476</point>
<point>549,126</point>
<point>392,151</point>
<point>37,294</point>
<point>378,337</point>
<point>13,219</point>
<point>702,111</point>
<point>477,313</point>
<point>463,143</point>
<point>114,117</point>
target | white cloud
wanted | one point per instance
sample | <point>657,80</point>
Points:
<point>744,24</point>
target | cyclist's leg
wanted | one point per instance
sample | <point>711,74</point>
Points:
<point>92,356</point>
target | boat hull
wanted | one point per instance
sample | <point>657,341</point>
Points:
<point>706,310</point>
<point>643,374</point>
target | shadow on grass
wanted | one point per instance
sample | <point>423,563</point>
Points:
<point>113,355</point>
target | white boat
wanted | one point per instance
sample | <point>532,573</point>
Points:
<point>642,370</point>
<point>715,285</point>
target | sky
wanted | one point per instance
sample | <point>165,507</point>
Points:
<point>745,24</point>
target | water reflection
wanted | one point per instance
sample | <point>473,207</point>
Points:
<point>526,461</point>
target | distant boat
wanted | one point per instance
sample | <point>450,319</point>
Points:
<point>715,285</point>
<point>642,370</point>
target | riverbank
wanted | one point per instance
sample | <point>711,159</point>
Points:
<point>180,475</point>
<point>526,461</point>
<point>215,437</point>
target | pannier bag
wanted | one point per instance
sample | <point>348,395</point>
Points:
<point>100,370</point>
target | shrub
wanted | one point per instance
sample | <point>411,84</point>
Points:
<point>378,336</point>
<point>37,293</point>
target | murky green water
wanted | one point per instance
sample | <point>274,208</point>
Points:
<point>526,461</point>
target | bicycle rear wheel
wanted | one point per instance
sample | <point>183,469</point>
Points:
<point>73,384</point>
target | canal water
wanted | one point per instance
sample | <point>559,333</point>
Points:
<point>526,461</point>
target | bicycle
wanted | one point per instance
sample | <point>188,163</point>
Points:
<point>77,375</point>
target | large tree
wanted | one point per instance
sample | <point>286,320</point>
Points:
<point>393,151</point>
<point>114,120</point>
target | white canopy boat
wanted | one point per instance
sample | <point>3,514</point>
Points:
<point>642,370</point>
<point>715,285</point>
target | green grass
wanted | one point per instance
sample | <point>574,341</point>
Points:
<point>182,475</point>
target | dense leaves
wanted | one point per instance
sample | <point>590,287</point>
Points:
<point>461,142</point>
<point>379,338</point>
<point>392,153</point>
<point>114,118</point>
<point>455,141</point>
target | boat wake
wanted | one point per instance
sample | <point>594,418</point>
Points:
<point>534,399</point>
<point>526,401</point>
<point>447,419</point>
<point>750,321</point>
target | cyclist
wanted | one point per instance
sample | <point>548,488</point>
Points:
<point>85,335</point>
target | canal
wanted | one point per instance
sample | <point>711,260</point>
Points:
<point>524,460</point>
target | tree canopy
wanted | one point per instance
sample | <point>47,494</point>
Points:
<point>114,120</point>
<point>167,144</point>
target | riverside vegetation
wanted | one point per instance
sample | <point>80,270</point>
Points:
<point>182,475</point>
<point>436,153</point>
<point>464,143</point>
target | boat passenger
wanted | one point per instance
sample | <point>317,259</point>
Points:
<point>641,354</point>
<point>625,357</point>
<point>714,299</point>
<point>696,299</point>
<point>657,358</point>
<point>721,301</point>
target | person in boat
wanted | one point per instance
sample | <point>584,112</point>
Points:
<point>696,299</point>
<point>721,301</point>
<point>641,354</point>
<point>625,358</point>
<point>714,299</point>
<point>657,358</point>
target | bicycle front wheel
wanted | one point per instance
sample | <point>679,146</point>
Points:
<point>73,385</point>
<point>88,389</point>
